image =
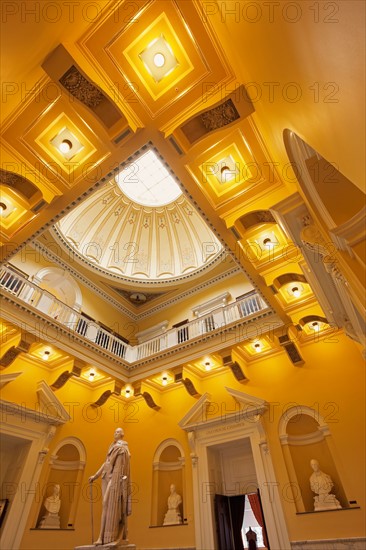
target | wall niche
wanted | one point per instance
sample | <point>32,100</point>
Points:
<point>65,470</point>
<point>168,470</point>
<point>305,437</point>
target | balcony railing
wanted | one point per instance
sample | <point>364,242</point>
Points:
<point>50,307</point>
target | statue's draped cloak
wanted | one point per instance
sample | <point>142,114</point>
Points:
<point>118,493</point>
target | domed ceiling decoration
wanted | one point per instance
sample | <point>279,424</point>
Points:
<point>139,226</point>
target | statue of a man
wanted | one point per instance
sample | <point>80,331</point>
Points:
<point>322,484</point>
<point>115,473</point>
<point>173,517</point>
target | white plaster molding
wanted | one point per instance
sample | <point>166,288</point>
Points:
<point>300,152</point>
<point>6,378</point>
<point>294,411</point>
<point>254,405</point>
<point>354,543</point>
<point>351,232</point>
<point>66,464</point>
<point>195,413</point>
<point>71,441</point>
<point>305,439</point>
<point>207,307</point>
<point>50,403</point>
<point>167,466</point>
<point>35,430</point>
<point>9,408</point>
<point>152,332</point>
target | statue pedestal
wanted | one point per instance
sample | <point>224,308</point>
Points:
<point>328,502</point>
<point>51,521</point>
<point>109,546</point>
<point>172,517</point>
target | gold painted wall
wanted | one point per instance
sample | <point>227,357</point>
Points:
<point>320,384</point>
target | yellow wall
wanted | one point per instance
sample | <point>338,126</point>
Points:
<point>322,383</point>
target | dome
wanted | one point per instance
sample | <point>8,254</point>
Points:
<point>140,227</point>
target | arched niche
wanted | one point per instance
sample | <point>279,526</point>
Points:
<point>66,469</point>
<point>60,284</point>
<point>304,436</point>
<point>168,469</point>
<point>335,198</point>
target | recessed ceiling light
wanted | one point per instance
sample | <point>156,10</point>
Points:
<point>268,243</point>
<point>296,291</point>
<point>91,375</point>
<point>164,379</point>
<point>128,391</point>
<point>3,207</point>
<point>159,60</point>
<point>208,365</point>
<point>315,326</point>
<point>46,355</point>
<point>65,146</point>
<point>258,347</point>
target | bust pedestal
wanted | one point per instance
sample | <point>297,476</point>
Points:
<point>109,546</point>
<point>50,521</point>
<point>172,517</point>
<point>326,502</point>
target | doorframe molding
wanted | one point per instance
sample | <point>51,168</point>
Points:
<point>204,432</point>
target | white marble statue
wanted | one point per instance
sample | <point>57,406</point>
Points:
<point>322,484</point>
<point>173,517</point>
<point>51,520</point>
<point>115,474</point>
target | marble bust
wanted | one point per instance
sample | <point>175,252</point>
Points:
<point>173,517</point>
<point>322,484</point>
<point>51,520</point>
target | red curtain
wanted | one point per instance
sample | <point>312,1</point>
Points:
<point>255,505</point>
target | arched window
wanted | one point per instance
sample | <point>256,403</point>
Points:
<point>66,468</point>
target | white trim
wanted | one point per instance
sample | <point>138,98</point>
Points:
<point>226,429</point>
<point>71,441</point>
<point>64,274</point>
<point>37,429</point>
<point>255,405</point>
<point>164,445</point>
<point>300,409</point>
<point>200,406</point>
<point>66,464</point>
<point>152,332</point>
<point>49,401</point>
<point>9,377</point>
<point>207,307</point>
<point>305,439</point>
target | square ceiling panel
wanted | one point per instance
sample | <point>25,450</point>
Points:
<point>162,56</point>
<point>159,36</point>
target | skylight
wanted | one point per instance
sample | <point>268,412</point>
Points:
<point>147,181</point>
